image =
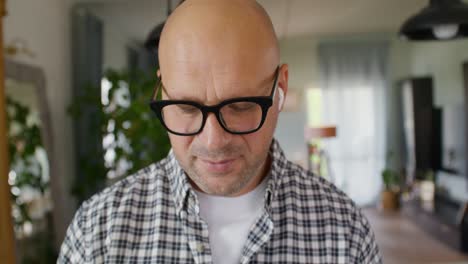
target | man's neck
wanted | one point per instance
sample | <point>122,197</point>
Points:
<point>262,172</point>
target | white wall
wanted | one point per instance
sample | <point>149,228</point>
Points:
<point>114,49</point>
<point>301,55</point>
<point>115,40</point>
<point>443,61</point>
<point>399,68</point>
<point>44,25</point>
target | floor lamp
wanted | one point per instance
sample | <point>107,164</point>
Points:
<point>318,158</point>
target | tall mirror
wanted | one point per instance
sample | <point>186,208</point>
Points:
<point>30,150</point>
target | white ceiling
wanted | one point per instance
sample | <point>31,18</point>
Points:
<point>135,18</point>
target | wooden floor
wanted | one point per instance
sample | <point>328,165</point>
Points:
<point>402,241</point>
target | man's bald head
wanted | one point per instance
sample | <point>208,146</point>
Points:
<point>212,51</point>
<point>219,33</point>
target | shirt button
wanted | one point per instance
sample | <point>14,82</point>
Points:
<point>200,248</point>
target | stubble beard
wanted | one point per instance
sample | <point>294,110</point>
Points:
<point>243,178</point>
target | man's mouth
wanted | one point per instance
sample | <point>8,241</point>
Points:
<point>218,166</point>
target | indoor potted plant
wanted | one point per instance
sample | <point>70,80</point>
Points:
<point>390,196</point>
<point>137,137</point>
<point>427,187</point>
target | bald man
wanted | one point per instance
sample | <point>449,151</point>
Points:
<point>225,193</point>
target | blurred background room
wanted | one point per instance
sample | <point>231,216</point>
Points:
<point>377,105</point>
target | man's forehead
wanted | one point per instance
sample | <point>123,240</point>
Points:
<point>223,53</point>
<point>225,78</point>
<point>191,67</point>
<point>212,85</point>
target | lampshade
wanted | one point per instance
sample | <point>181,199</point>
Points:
<point>320,132</point>
<point>441,20</point>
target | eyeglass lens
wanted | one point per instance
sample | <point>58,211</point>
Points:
<point>237,117</point>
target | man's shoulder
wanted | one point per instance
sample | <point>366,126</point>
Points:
<point>317,192</point>
<point>117,211</point>
<point>312,183</point>
<point>324,214</point>
<point>314,198</point>
<point>141,185</point>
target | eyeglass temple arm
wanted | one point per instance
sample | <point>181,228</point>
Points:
<point>156,90</point>
<point>273,93</point>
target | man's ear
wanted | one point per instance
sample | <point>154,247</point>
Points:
<point>281,99</point>
<point>283,85</point>
<point>158,73</point>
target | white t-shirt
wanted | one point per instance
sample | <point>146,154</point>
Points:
<point>229,220</point>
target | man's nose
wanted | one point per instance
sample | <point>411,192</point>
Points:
<point>213,134</point>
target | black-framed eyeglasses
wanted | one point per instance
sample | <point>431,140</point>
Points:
<point>239,116</point>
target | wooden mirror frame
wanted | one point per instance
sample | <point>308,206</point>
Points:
<point>465,83</point>
<point>7,250</point>
<point>24,73</point>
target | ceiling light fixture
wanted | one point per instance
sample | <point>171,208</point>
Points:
<point>441,20</point>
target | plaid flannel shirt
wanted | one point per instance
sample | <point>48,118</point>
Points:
<point>153,217</point>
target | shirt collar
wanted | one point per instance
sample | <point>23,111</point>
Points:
<point>179,184</point>
<point>278,165</point>
<point>185,198</point>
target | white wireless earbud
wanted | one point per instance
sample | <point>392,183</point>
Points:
<point>281,98</point>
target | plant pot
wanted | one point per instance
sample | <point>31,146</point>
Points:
<point>390,200</point>
<point>427,191</point>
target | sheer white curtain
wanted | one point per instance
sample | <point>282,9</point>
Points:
<point>353,82</point>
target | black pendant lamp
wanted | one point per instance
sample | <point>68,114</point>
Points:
<point>441,20</point>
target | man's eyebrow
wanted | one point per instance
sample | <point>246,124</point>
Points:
<point>163,88</point>
<point>264,89</point>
